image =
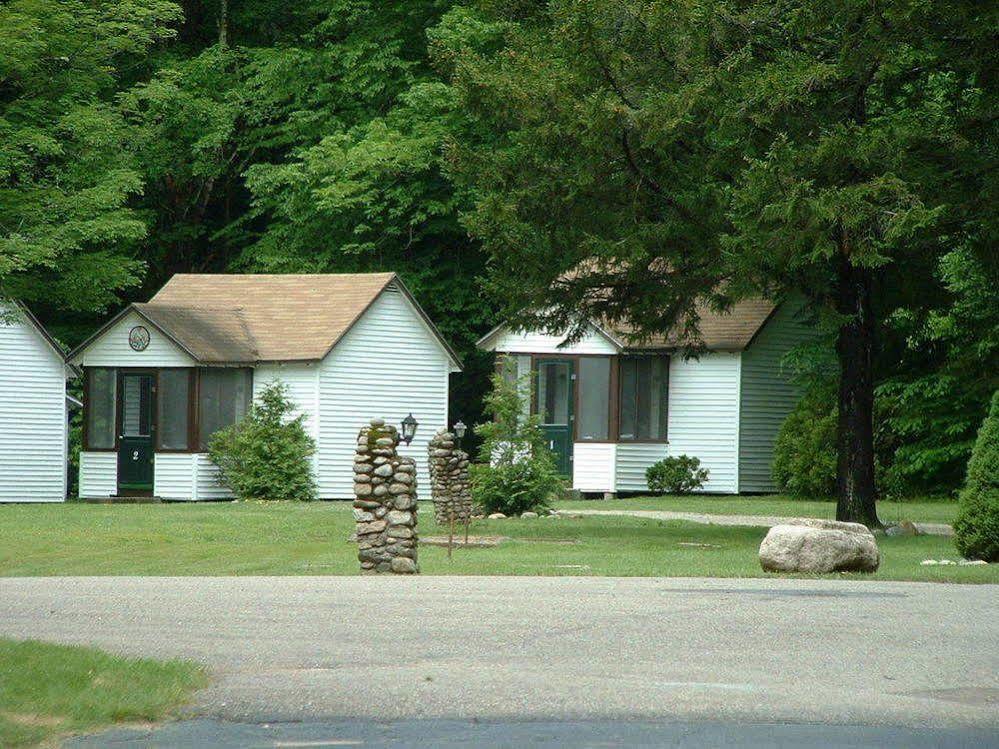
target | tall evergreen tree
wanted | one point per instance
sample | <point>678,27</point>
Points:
<point>672,155</point>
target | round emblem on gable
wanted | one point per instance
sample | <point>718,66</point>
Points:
<point>138,338</point>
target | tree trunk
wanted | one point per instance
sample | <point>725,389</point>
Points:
<point>224,23</point>
<point>855,489</point>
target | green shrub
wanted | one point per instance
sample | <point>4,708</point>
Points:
<point>676,475</point>
<point>266,455</point>
<point>517,471</point>
<point>977,525</point>
<point>804,462</point>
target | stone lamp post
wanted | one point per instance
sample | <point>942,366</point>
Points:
<point>385,501</point>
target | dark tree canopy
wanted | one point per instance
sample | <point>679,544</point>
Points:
<point>543,162</point>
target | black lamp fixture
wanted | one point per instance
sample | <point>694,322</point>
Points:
<point>409,425</point>
<point>459,431</point>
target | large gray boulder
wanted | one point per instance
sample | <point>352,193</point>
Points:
<point>809,545</point>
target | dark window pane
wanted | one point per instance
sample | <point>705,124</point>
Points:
<point>173,403</point>
<point>644,398</point>
<point>100,408</point>
<point>628,415</point>
<point>594,397</point>
<point>553,392</point>
<point>659,398</point>
<point>136,405</point>
<point>643,392</point>
<point>224,399</point>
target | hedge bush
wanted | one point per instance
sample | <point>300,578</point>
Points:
<point>804,463</point>
<point>679,474</point>
<point>977,525</point>
<point>268,454</point>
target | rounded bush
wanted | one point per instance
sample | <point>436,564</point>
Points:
<point>804,463</point>
<point>267,454</point>
<point>679,474</point>
<point>976,528</point>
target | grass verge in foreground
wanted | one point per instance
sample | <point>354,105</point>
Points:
<point>274,538</point>
<point>51,690</point>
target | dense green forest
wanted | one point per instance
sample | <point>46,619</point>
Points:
<point>687,151</point>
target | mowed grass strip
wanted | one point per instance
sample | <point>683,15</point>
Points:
<point>922,510</point>
<point>47,690</point>
<point>273,538</point>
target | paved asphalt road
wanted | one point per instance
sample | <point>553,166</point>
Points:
<point>377,657</point>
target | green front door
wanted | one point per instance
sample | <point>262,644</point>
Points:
<point>135,440</point>
<point>555,399</point>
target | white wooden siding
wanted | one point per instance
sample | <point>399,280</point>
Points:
<point>533,342</point>
<point>206,479</point>
<point>387,366</point>
<point>98,475</point>
<point>173,475</point>
<point>111,349</point>
<point>33,424</point>
<point>303,388</point>
<point>593,466</point>
<point>704,416</point>
<point>633,458</point>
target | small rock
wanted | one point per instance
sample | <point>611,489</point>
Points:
<point>929,562</point>
<point>905,528</point>
<point>403,565</point>
<point>374,526</point>
<point>528,514</point>
<point>377,423</point>
<point>384,471</point>
<point>972,562</point>
<point>497,516</point>
<point>400,517</point>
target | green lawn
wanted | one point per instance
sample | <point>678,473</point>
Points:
<point>311,539</point>
<point>920,511</point>
<point>47,691</point>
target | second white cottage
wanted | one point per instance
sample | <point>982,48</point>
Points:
<point>611,407</point>
<point>162,377</point>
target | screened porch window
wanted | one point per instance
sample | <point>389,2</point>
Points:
<point>101,395</point>
<point>594,398</point>
<point>173,408</point>
<point>644,397</point>
<point>223,399</point>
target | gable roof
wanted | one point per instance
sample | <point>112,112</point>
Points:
<point>732,330</point>
<point>35,323</point>
<point>252,318</point>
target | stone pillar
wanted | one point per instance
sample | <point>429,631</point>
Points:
<point>449,485</point>
<point>385,502</point>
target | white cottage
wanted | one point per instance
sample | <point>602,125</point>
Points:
<point>610,409</point>
<point>34,423</point>
<point>162,377</point>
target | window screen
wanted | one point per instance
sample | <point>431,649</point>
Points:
<point>100,408</point>
<point>644,397</point>
<point>172,403</point>
<point>223,399</point>
<point>594,397</point>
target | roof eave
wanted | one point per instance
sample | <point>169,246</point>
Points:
<point>75,353</point>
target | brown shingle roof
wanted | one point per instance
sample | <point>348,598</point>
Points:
<point>246,319</point>
<point>223,318</point>
<point>732,330</point>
